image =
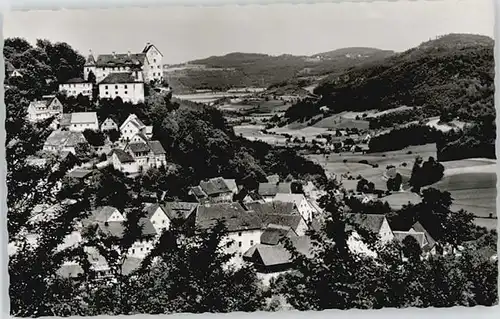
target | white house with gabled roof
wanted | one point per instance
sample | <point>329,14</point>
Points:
<point>76,86</point>
<point>131,127</point>
<point>81,121</point>
<point>109,125</point>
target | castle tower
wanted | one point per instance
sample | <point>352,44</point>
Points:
<point>90,65</point>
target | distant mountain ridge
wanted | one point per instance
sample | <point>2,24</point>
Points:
<point>452,74</point>
<point>239,69</point>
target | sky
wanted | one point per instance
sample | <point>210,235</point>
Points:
<point>187,33</point>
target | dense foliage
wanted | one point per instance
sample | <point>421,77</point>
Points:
<point>400,138</point>
<point>425,173</point>
<point>326,279</point>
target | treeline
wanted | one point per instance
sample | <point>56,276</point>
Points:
<point>476,141</point>
<point>402,117</point>
<point>400,138</point>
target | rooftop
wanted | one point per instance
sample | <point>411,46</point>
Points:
<point>123,156</point>
<point>271,189</point>
<point>84,117</point>
<point>233,215</point>
<point>65,138</point>
<point>122,59</point>
<point>119,77</point>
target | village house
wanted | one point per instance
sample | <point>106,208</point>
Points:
<point>45,108</point>
<point>124,162</point>
<point>129,86</point>
<point>108,124</point>
<point>376,223</point>
<point>147,155</point>
<point>306,210</point>
<point>158,217</point>
<point>76,86</point>
<point>12,71</point>
<point>107,214</point>
<point>60,141</point>
<point>81,121</point>
<point>179,210</point>
<point>133,126</point>
<point>269,190</point>
<point>243,227</point>
<point>148,62</point>
<point>215,190</point>
<point>279,213</point>
<point>274,179</point>
<point>420,234</point>
<point>272,259</point>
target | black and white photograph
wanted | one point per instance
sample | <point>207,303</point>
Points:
<point>216,159</point>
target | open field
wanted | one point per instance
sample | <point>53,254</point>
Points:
<point>397,200</point>
<point>474,192</point>
<point>253,132</point>
<point>342,121</point>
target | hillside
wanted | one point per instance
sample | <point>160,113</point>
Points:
<point>453,73</point>
<point>261,70</point>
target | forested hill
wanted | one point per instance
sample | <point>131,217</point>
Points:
<point>261,70</point>
<point>454,73</point>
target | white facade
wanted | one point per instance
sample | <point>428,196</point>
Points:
<point>128,131</point>
<point>356,244</point>
<point>306,210</point>
<point>141,248</point>
<point>129,92</point>
<point>160,220</point>
<point>129,167</point>
<point>41,110</point>
<point>73,89</point>
<point>82,121</point>
<point>153,68</point>
<point>241,242</point>
<point>109,125</point>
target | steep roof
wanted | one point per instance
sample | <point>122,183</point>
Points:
<point>274,207</point>
<point>148,228</point>
<point>83,117</point>
<point>123,156</point>
<point>130,264</point>
<point>103,213</point>
<point>151,209</point>
<point>138,147</point>
<point>292,221</point>
<point>233,215</point>
<point>290,198</point>
<point>372,222</point>
<point>180,210</point>
<point>271,189</point>
<point>419,237</point>
<point>271,255</point>
<point>419,228</point>
<point>134,120</point>
<point>65,119</point>
<point>119,77</point>
<point>79,173</point>
<point>215,186</point>
<point>122,59</point>
<point>272,235</point>
<point>70,270</point>
<point>115,229</point>
<point>149,46</point>
<point>65,138</point>
<point>156,147</point>
<point>75,80</point>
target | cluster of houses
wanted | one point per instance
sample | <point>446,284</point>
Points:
<point>118,75</point>
<point>134,152</point>
<point>256,224</point>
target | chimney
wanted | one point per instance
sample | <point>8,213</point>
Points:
<point>114,54</point>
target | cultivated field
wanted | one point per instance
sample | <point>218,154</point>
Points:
<point>471,182</point>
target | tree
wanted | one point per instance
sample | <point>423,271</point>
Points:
<point>95,138</point>
<point>394,184</point>
<point>91,77</point>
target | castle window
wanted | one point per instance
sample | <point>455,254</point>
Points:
<point>116,87</point>
<point>106,87</point>
<point>125,85</point>
<point>116,92</point>
<point>126,92</point>
<point>107,93</point>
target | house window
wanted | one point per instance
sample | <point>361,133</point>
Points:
<point>142,249</point>
<point>116,92</point>
<point>239,244</point>
<point>105,87</point>
<point>163,221</point>
<point>133,251</point>
<point>154,60</point>
<point>228,245</point>
<point>239,234</point>
<point>125,85</point>
<point>239,254</point>
<point>153,222</point>
<point>116,87</point>
<point>251,243</point>
<point>126,92</point>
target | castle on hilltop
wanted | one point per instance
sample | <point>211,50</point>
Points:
<point>119,75</point>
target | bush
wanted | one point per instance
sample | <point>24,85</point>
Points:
<point>345,161</point>
<point>363,162</point>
